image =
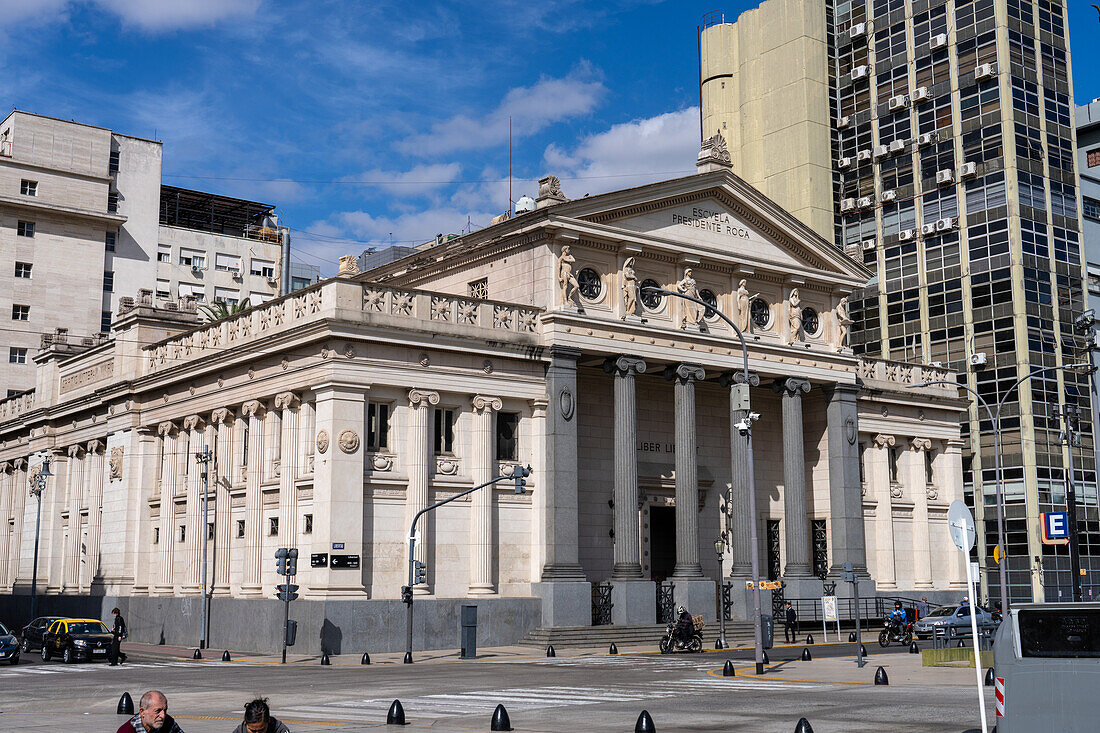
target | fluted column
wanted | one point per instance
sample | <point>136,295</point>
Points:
<point>195,427</point>
<point>20,492</point>
<point>71,577</point>
<point>951,475</point>
<point>918,488</point>
<point>627,546</point>
<point>794,479</point>
<point>307,417</point>
<point>273,430</point>
<point>684,377</point>
<point>52,536</point>
<point>7,476</point>
<point>420,454</point>
<point>252,578</point>
<point>223,419</point>
<point>169,475</point>
<point>885,572</point>
<point>481,501</point>
<point>739,519</point>
<point>288,403</point>
<point>94,480</point>
<point>847,540</point>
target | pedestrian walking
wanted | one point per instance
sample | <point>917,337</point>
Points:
<point>118,633</point>
<point>152,716</point>
<point>258,719</point>
<point>790,628</point>
<point>922,607</point>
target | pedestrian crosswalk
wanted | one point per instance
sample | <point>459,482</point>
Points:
<point>483,702</point>
<point>45,670</point>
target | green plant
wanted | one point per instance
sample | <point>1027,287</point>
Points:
<point>219,309</point>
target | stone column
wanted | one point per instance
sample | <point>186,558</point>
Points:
<point>223,420</point>
<point>306,415</point>
<point>51,563</point>
<point>950,475</point>
<point>96,466</point>
<point>845,490</point>
<point>627,542</point>
<point>272,443</point>
<point>252,569</point>
<point>687,471</point>
<point>918,488</point>
<point>288,403</point>
<point>481,501</point>
<point>7,476</point>
<point>169,475</point>
<point>192,546</point>
<point>20,493</point>
<point>885,573</point>
<point>419,449</point>
<point>740,520</point>
<point>71,577</point>
<point>794,479</point>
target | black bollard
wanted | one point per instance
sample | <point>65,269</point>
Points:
<point>880,677</point>
<point>809,638</point>
<point>614,649</point>
<point>197,655</point>
<point>500,720</point>
<point>324,659</point>
<point>806,656</point>
<point>396,715</point>
<point>644,724</point>
<point>959,644</point>
<point>365,659</point>
<point>125,705</point>
<point>851,638</point>
<point>408,658</point>
<point>718,643</point>
<point>803,726</point>
<point>914,649</point>
<point>226,657</point>
<point>862,650</point>
<point>550,651</point>
<point>766,660</point>
<point>727,670</point>
<point>989,677</point>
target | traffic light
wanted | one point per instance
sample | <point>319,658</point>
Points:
<point>280,560</point>
<point>406,594</point>
<point>519,473</point>
<point>292,561</point>
<point>287,592</point>
<point>420,572</point>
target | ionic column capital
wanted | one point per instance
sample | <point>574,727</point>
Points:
<point>884,441</point>
<point>792,386</point>
<point>221,415</point>
<point>737,376</point>
<point>94,446</point>
<point>685,373</point>
<point>19,464</point>
<point>920,444</point>
<point>285,400</point>
<point>624,365</point>
<point>166,428</point>
<point>253,408</point>
<point>7,467</point>
<point>193,422</point>
<point>418,397</point>
<point>482,403</point>
<point>75,451</point>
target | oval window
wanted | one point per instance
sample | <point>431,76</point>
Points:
<point>761,313</point>
<point>811,322</point>
<point>711,299</point>
<point>652,301</point>
<point>589,284</point>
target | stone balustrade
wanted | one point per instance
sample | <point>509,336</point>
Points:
<point>16,405</point>
<point>906,374</point>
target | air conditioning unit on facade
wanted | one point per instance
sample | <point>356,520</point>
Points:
<point>966,170</point>
<point>978,360</point>
<point>235,273</point>
<point>843,122</point>
<point>196,268</point>
<point>859,72</point>
<point>898,102</point>
<point>927,229</point>
<point>880,151</point>
<point>889,195</point>
<point>857,30</point>
<point>921,94</point>
<point>938,41</point>
<point>945,176</point>
<point>927,139</point>
<point>863,155</point>
<point>865,202</point>
<point>844,162</point>
<point>869,244</point>
<point>847,204</point>
<point>897,146</point>
<point>986,71</point>
<point>273,281</point>
<point>947,224</point>
<point>907,234</point>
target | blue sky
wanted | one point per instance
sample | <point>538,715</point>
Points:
<point>366,120</point>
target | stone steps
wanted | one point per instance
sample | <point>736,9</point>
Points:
<point>596,636</point>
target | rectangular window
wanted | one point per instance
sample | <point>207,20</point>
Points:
<point>1091,211</point>
<point>225,262</point>
<point>297,283</point>
<point>20,312</point>
<point>164,253</point>
<point>25,229</point>
<point>507,436</point>
<point>28,188</point>
<point>112,164</point>
<point>227,296</point>
<point>164,288</point>
<point>929,474</point>
<point>209,531</point>
<point>17,355</point>
<point>263,268</point>
<point>273,527</point>
<point>183,533</point>
<point>105,321</point>
<point>198,291</point>
<point>1093,157</point>
<point>193,258</point>
<point>893,455</point>
<point>819,536</point>
<point>479,288</point>
<point>108,281</point>
<point>308,528</point>
<point>109,241</point>
<point>775,567</point>
<point>23,269</point>
<point>378,426</point>
<point>112,201</point>
<point>156,535</point>
<point>444,430</point>
<point>240,528</point>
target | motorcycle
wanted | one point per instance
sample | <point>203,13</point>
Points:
<point>672,643</point>
<point>901,633</point>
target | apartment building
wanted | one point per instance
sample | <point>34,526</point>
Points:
<point>1088,162</point>
<point>84,221</point>
<point>933,140</point>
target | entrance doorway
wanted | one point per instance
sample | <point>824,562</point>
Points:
<point>662,542</point>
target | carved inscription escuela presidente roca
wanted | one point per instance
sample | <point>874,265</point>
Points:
<point>718,222</point>
<point>84,377</point>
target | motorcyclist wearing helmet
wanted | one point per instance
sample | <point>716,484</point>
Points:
<point>897,617</point>
<point>684,625</point>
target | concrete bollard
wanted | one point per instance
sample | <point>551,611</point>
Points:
<point>365,659</point>
<point>914,649</point>
<point>880,677</point>
<point>810,639</point>
<point>500,720</point>
<point>226,657</point>
<point>396,715</point>
<point>197,655</point>
<point>614,649</point>
<point>803,726</point>
<point>727,670</point>
<point>806,656</point>
<point>125,705</point>
<point>644,724</point>
<point>324,659</point>
<point>989,679</point>
<point>550,651</point>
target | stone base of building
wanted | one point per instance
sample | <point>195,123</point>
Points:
<point>697,596</point>
<point>338,627</point>
<point>634,602</point>
<point>565,602</point>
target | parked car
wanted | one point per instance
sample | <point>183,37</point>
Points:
<point>32,633</point>
<point>9,646</point>
<point>954,620</point>
<point>74,639</point>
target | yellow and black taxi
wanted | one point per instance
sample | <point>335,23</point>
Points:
<point>74,639</point>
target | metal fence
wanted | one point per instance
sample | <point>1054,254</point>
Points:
<point>809,609</point>
<point>601,604</point>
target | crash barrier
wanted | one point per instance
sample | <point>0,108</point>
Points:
<point>943,638</point>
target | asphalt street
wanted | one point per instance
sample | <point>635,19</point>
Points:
<point>567,693</point>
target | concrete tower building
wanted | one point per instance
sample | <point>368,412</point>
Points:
<point>933,141</point>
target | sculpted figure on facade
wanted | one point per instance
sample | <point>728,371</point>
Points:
<point>115,462</point>
<point>744,300</point>
<point>843,324</point>
<point>691,312</point>
<point>348,266</point>
<point>794,316</point>
<point>567,281</point>
<point>630,288</point>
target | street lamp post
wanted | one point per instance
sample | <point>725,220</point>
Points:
<point>37,488</point>
<point>720,549</point>
<point>995,419</point>
<point>203,460</point>
<point>744,427</point>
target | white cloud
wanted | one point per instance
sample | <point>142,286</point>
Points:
<point>417,181</point>
<point>13,11</point>
<point>629,154</point>
<point>531,110</point>
<point>159,15</point>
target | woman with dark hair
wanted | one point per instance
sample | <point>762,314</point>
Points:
<point>258,719</point>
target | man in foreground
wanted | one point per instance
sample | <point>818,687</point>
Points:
<point>152,716</point>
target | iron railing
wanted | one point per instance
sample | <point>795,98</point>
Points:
<point>601,604</point>
<point>666,603</point>
<point>877,607</point>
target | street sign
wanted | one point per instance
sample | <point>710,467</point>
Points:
<point>997,554</point>
<point>1055,528</point>
<point>960,525</point>
<point>318,560</point>
<point>344,561</point>
<point>765,584</point>
<point>828,607</point>
<point>337,545</point>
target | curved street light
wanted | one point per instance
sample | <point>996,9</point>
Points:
<point>745,428</point>
<point>37,487</point>
<point>999,481</point>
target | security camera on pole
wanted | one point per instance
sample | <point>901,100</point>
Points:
<point>960,525</point>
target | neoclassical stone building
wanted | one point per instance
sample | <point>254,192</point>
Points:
<point>334,414</point>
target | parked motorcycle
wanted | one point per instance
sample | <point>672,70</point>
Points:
<point>900,633</point>
<point>673,643</point>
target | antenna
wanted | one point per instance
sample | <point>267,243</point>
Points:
<point>509,162</point>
